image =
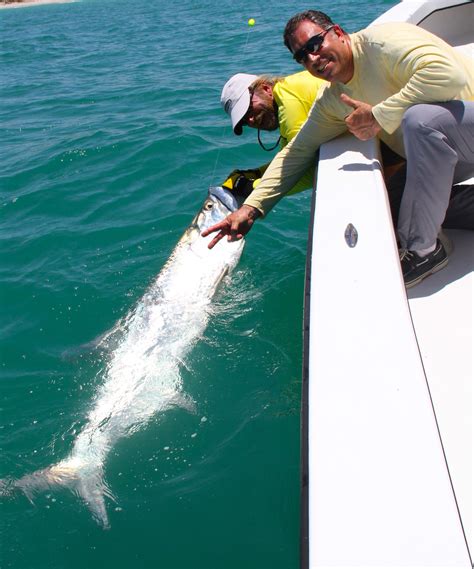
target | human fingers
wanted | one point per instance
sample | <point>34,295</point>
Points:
<point>361,118</point>
<point>216,240</point>
<point>364,132</point>
<point>350,102</point>
<point>361,134</point>
<point>235,228</point>
<point>217,227</point>
<point>235,237</point>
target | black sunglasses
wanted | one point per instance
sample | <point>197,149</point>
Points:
<point>313,45</point>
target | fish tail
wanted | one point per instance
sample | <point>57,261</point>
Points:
<point>87,484</point>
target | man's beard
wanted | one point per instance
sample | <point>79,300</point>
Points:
<point>267,118</point>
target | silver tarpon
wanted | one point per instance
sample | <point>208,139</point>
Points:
<point>142,373</point>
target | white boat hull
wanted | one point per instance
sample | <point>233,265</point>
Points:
<point>387,393</point>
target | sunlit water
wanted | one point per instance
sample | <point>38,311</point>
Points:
<point>111,132</point>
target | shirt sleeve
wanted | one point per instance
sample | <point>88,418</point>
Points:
<point>291,163</point>
<point>304,183</point>
<point>428,72</point>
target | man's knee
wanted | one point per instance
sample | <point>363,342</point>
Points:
<point>413,118</point>
<point>443,117</point>
<point>422,116</point>
<point>430,130</point>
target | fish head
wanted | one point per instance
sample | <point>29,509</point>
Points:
<point>220,202</point>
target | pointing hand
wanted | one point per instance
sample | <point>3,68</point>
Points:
<point>235,225</point>
<point>361,122</point>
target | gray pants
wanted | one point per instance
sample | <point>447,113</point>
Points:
<point>439,146</point>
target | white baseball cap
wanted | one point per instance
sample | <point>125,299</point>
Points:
<point>235,98</point>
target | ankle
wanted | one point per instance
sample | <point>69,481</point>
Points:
<point>427,251</point>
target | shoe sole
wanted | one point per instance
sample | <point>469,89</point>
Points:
<point>433,270</point>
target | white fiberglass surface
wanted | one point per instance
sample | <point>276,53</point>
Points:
<point>379,489</point>
<point>442,308</point>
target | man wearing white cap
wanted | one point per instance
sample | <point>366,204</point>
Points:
<point>269,103</point>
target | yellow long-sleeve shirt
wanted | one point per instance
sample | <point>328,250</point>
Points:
<point>294,96</point>
<point>396,65</point>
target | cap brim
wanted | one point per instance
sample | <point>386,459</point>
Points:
<point>239,111</point>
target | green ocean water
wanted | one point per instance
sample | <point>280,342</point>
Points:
<point>111,133</point>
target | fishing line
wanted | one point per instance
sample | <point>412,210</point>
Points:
<point>251,23</point>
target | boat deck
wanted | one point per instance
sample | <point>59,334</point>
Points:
<point>442,310</point>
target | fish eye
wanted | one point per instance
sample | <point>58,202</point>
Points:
<point>208,205</point>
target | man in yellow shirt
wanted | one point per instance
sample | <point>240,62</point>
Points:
<point>269,103</point>
<point>396,81</point>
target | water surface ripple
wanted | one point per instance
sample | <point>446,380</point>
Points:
<point>110,133</point>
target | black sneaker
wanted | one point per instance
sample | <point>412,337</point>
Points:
<point>416,268</point>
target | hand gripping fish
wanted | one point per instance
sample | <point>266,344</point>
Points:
<point>142,373</point>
